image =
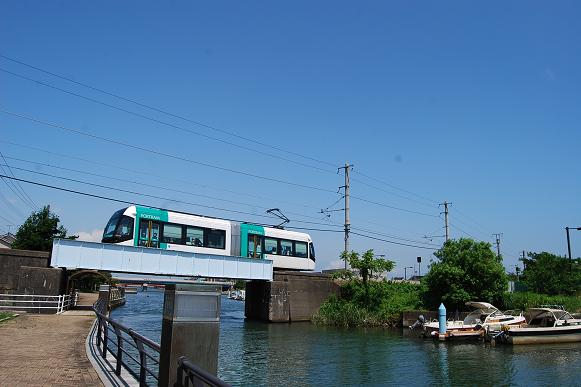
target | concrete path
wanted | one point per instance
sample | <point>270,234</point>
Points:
<point>46,350</point>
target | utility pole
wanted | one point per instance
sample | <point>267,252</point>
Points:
<point>346,169</point>
<point>445,204</point>
<point>497,237</point>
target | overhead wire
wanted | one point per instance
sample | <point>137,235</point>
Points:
<point>158,110</point>
<point>392,207</point>
<point>149,174</point>
<point>191,131</point>
<point>147,205</point>
<point>17,184</point>
<point>163,154</point>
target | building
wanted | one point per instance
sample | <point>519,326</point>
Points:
<point>6,241</point>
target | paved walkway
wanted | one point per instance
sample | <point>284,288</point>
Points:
<point>46,350</point>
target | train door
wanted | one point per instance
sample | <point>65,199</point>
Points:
<point>148,233</point>
<point>255,246</point>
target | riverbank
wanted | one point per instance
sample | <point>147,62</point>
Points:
<point>48,350</point>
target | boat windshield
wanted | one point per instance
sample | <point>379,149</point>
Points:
<point>479,316</point>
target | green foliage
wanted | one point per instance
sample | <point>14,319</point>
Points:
<point>367,264</point>
<point>38,231</point>
<point>551,274</point>
<point>466,270</point>
<point>240,285</point>
<point>525,300</point>
<point>379,304</point>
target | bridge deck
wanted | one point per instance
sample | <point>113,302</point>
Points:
<point>73,254</point>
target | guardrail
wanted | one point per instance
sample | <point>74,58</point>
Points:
<point>38,303</point>
<point>147,350</point>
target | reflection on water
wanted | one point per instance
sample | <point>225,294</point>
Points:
<point>302,354</point>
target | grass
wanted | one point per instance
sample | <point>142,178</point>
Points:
<point>381,304</point>
<point>4,316</point>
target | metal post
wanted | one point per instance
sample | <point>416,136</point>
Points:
<point>446,226</point>
<point>568,242</point>
<point>347,220</point>
<point>190,328</point>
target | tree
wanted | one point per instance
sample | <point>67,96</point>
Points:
<point>367,265</point>
<point>38,231</point>
<point>465,270</point>
<point>551,274</point>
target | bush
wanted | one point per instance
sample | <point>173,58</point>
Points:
<point>523,301</point>
<point>382,306</point>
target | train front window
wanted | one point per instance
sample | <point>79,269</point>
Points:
<point>312,246</point>
<point>124,230</point>
<point>112,225</point>
<point>301,249</point>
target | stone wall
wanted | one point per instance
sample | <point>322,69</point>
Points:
<point>291,296</point>
<point>27,272</point>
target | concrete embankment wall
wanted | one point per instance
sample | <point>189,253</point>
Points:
<point>27,272</point>
<point>291,296</point>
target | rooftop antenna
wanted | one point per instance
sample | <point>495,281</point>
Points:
<point>278,213</point>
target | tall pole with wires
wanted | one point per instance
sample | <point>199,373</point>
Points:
<point>347,169</point>
<point>497,241</point>
<point>445,204</point>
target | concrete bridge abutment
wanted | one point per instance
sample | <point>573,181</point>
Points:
<point>290,297</point>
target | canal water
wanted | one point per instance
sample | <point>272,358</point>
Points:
<point>254,353</point>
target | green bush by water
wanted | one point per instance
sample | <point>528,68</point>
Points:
<point>525,300</point>
<point>378,304</point>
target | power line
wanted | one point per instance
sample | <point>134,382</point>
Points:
<point>189,193</point>
<point>391,193</point>
<point>149,174</point>
<point>393,207</point>
<point>167,155</point>
<point>17,184</point>
<point>12,186</point>
<point>431,201</point>
<point>395,243</point>
<point>143,116</point>
<point>146,205</point>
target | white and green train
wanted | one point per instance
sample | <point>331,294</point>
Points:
<point>162,229</point>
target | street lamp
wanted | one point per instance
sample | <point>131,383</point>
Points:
<point>569,243</point>
<point>405,272</point>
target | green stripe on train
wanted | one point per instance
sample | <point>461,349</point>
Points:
<point>147,213</point>
<point>246,229</point>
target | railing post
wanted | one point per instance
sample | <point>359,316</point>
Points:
<point>105,338</point>
<point>119,350</point>
<point>142,359</point>
<point>98,331</point>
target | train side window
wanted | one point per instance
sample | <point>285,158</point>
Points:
<point>301,249</point>
<point>286,247</point>
<point>194,236</point>
<point>172,233</point>
<point>270,246</point>
<point>216,239</point>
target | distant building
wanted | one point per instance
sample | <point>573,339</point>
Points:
<point>6,241</point>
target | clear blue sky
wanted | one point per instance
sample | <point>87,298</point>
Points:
<point>476,104</point>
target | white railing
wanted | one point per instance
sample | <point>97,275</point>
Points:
<point>38,303</point>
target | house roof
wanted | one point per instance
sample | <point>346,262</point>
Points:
<point>7,239</point>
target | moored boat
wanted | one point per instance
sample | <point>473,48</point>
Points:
<point>546,325</point>
<point>484,317</point>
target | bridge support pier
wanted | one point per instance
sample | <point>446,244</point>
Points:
<point>291,296</point>
<point>191,328</point>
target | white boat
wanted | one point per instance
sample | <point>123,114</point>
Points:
<point>547,325</point>
<point>484,317</point>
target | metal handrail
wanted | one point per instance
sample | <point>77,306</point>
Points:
<point>104,325</point>
<point>188,373</point>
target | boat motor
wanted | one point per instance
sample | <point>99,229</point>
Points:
<point>419,322</point>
